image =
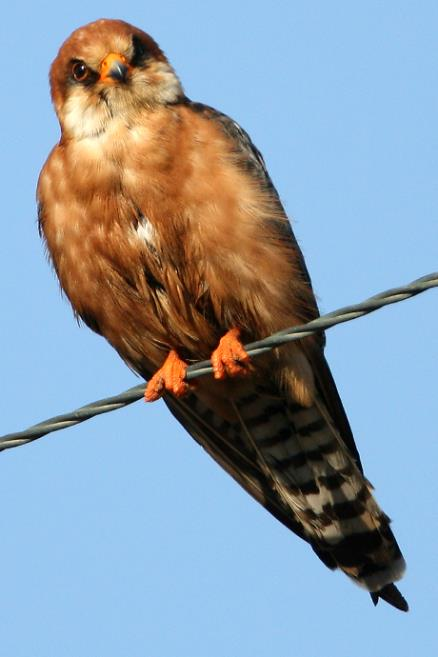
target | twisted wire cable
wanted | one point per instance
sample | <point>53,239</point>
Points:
<point>202,368</point>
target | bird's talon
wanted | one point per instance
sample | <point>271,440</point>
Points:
<point>170,377</point>
<point>230,358</point>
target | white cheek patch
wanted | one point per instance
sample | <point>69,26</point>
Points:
<point>170,88</point>
<point>82,119</point>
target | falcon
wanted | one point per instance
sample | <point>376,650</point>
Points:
<point>170,240</point>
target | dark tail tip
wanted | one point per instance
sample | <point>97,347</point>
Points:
<point>392,596</point>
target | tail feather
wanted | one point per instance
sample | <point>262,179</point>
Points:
<point>392,596</point>
<point>294,462</point>
<point>316,476</point>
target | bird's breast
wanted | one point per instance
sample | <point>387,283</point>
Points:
<point>159,236</point>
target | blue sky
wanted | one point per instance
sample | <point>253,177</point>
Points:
<point>121,537</point>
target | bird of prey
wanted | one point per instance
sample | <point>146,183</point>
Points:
<point>170,240</point>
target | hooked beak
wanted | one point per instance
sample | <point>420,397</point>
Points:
<point>114,68</point>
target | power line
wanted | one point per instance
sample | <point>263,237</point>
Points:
<point>202,368</point>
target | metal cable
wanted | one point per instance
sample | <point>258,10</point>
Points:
<point>108,404</point>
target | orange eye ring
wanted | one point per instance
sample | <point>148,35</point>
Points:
<point>80,71</point>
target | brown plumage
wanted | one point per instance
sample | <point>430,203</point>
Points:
<point>169,239</point>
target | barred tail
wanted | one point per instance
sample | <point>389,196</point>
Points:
<point>293,461</point>
<point>314,473</point>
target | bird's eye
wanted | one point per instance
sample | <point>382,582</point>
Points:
<point>80,71</point>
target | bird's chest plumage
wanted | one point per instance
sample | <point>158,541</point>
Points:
<point>123,237</point>
<point>159,238</point>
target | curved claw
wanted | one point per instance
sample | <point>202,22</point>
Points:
<point>230,358</point>
<point>169,378</point>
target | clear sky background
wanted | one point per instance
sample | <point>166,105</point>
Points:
<point>121,537</point>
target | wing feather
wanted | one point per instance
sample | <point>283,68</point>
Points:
<point>315,354</point>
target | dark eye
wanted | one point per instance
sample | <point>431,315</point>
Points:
<point>80,71</point>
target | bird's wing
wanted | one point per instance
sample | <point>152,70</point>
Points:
<point>243,145</point>
<point>256,166</point>
<point>300,463</point>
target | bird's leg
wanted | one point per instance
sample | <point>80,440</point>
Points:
<point>230,358</point>
<point>170,377</point>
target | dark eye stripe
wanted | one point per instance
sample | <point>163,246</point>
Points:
<point>141,52</point>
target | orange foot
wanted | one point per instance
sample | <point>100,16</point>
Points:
<point>170,377</point>
<point>230,358</point>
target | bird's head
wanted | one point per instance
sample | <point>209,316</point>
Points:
<point>105,70</point>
